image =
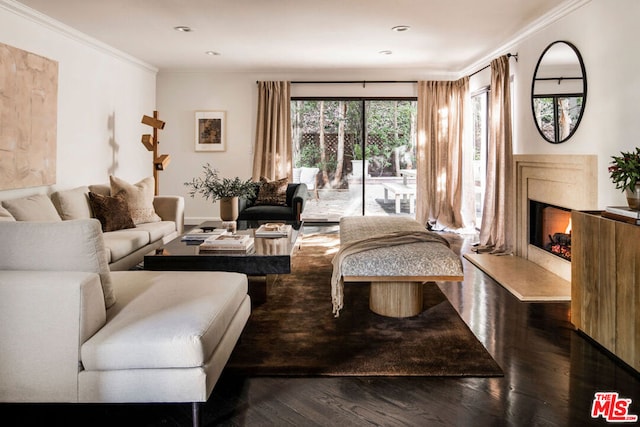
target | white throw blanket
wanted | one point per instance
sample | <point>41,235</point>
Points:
<point>374,242</point>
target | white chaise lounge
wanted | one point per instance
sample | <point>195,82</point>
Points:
<point>72,331</point>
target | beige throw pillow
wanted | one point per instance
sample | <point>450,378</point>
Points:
<point>32,208</point>
<point>139,197</point>
<point>72,204</point>
<point>273,192</point>
<point>5,215</point>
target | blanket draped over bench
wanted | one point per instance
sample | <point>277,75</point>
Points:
<point>387,239</point>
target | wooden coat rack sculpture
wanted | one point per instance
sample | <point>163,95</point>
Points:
<point>160,162</point>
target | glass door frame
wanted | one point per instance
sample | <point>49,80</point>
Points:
<point>363,124</point>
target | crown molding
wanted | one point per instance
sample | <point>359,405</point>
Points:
<point>536,26</point>
<point>67,31</point>
<point>46,21</point>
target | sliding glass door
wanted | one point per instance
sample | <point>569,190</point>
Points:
<point>326,134</point>
<point>353,153</point>
<point>390,151</point>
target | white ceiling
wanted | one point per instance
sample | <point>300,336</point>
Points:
<point>301,35</point>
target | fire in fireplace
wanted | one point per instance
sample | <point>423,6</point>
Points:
<point>550,228</point>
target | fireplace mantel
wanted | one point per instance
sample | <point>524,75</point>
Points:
<point>568,181</point>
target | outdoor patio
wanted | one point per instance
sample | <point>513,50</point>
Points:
<point>333,204</point>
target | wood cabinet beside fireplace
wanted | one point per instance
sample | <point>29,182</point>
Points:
<point>605,283</point>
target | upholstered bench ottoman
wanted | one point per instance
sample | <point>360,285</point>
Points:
<point>397,255</point>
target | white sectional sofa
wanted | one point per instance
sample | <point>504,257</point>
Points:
<point>126,247</point>
<point>71,330</point>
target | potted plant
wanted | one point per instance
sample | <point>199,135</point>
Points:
<point>227,190</point>
<point>356,162</point>
<point>625,173</point>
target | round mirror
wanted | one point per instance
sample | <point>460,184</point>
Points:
<point>559,91</point>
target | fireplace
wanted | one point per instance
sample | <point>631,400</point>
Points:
<point>550,228</point>
<point>563,183</point>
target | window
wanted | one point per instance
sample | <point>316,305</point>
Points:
<point>479,103</point>
<point>357,145</point>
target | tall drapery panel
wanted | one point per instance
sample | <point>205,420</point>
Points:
<point>272,157</point>
<point>497,231</point>
<point>442,107</point>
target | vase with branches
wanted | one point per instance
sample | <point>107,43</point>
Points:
<point>210,186</point>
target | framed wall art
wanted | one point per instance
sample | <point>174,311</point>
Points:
<point>28,119</point>
<point>211,132</point>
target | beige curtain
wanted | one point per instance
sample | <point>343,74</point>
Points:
<point>496,234</point>
<point>272,156</point>
<point>442,107</point>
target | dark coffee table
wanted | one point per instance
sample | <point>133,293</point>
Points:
<point>269,255</point>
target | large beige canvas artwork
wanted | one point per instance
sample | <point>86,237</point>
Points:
<point>28,119</point>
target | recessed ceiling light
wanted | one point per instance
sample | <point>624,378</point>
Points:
<point>213,53</point>
<point>183,29</point>
<point>385,52</point>
<point>401,28</point>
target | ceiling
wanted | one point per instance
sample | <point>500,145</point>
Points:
<point>301,35</point>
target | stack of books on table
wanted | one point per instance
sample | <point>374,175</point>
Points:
<point>622,213</point>
<point>228,242</point>
<point>200,235</point>
<point>274,229</point>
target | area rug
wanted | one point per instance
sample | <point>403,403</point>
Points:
<point>525,280</point>
<point>292,331</point>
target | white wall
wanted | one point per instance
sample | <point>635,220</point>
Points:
<point>605,32</point>
<point>179,96</point>
<point>102,96</point>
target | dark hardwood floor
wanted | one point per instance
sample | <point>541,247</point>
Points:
<point>551,373</point>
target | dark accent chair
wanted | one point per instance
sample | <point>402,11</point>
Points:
<point>297,195</point>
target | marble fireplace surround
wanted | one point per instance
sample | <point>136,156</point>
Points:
<point>569,181</point>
